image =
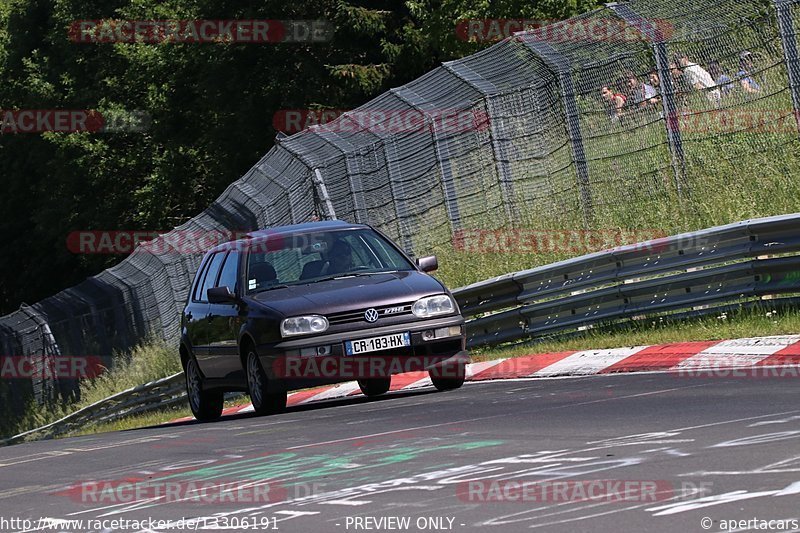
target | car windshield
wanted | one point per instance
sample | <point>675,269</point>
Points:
<point>280,260</point>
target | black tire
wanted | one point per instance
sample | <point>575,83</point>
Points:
<point>448,378</point>
<point>375,386</point>
<point>205,405</point>
<point>264,402</point>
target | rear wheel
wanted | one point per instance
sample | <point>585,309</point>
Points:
<point>375,386</point>
<point>264,403</point>
<point>205,405</point>
<point>448,377</point>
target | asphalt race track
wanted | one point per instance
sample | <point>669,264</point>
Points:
<point>634,452</point>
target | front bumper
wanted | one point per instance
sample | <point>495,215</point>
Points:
<point>321,359</point>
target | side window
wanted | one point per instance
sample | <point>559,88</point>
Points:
<point>211,276</point>
<point>198,282</point>
<point>230,270</point>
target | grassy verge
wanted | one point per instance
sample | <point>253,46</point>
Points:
<point>149,361</point>
<point>153,418</point>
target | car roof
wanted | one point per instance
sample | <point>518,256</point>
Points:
<point>293,229</point>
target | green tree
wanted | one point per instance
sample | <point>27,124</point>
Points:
<point>210,107</point>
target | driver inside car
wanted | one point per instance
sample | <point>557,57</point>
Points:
<point>340,259</point>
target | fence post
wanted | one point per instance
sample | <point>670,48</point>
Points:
<point>501,162</point>
<point>328,212</point>
<point>317,182</point>
<point>442,155</point>
<point>448,186</point>
<point>669,105</point>
<point>398,195</point>
<point>488,89</point>
<point>788,41</point>
<point>49,348</point>
<point>559,64</point>
<point>353,174</point>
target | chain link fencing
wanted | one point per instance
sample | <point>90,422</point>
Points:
<point>543,146</point>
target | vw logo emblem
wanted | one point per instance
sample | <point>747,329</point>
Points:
<point>371,315</point>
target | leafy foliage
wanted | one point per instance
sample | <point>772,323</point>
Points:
<point>210,108</point>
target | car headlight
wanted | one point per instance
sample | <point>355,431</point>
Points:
<point>303,325</point>
<point>440,304</point>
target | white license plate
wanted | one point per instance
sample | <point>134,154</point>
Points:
<point>374,344</point>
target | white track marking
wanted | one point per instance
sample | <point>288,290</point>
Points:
<point>588,361</point>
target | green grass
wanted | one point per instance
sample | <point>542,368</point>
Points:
<point>152,418</point>
<point>149,361</point>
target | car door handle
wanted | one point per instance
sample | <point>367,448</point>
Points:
<point>189,316</point>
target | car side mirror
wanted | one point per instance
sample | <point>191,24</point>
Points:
<point>428,264</point>
<point>221,295</point>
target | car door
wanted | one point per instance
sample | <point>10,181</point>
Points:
<point>195,314</point>
<point>205,318</point>
<point>225,322</point>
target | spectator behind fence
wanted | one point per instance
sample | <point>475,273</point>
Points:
<point>699,78</point>
<point>744,75</point>
<point>614,101</point>
<point>680,86</point>
<point>723,81</point>
<point>655,82</point>
<point>639,94</point>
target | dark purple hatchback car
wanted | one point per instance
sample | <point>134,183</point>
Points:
<point>310,304</point>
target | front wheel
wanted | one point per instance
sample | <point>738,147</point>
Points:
<point>448,377</point>
<point>264,403</point>
<point>205,405</point>
<point>375,386</point>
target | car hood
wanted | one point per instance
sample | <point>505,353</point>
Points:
<point>339,295</point>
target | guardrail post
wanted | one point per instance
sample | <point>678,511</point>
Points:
<point>559,64</point>
<point>789,42</point>
<point>669,105</point>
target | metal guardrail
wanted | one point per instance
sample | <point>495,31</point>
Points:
<point>695,272</point>
<point>685,275</point>
<point>157,394</point>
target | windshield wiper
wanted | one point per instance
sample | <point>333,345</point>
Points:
<point>352,275</point>
<point>271,287</point>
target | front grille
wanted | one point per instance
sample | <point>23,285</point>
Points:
<point>357,315</point>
